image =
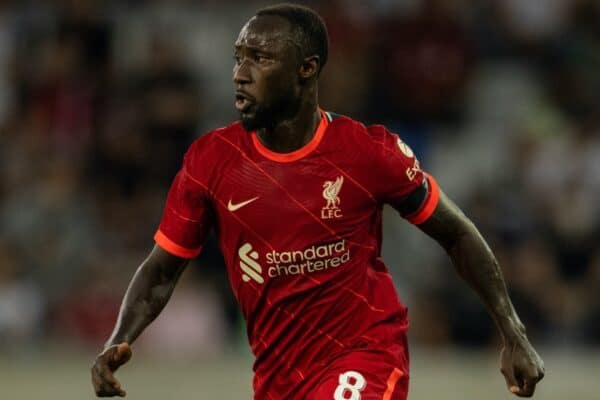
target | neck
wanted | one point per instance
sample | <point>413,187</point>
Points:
<point>293,133</point>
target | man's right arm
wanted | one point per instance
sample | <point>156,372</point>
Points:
<point>149,291</point>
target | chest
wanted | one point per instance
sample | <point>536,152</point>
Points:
<point>310,196</point>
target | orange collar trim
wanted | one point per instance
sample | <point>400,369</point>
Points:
<point>296,154</point>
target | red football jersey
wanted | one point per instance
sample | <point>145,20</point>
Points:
<point>301,237</point>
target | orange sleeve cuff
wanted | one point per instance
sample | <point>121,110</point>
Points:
<point>167,244</point>
<point>429,205</point>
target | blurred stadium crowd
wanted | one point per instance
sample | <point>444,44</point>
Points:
<point>99,100</point>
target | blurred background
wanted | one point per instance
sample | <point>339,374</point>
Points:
<point>99,100</point>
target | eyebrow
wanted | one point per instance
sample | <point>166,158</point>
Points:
<point>236,47</point>
<point>254,49</point>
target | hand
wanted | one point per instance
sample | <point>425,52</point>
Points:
<point>522,367</point>
<point>107,362</point>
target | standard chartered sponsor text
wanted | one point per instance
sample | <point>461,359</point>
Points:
<point>312,259</point>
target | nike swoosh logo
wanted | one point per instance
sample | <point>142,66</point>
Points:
<point>235,207</point>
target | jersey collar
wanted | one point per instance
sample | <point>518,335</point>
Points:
<point>296,154</point>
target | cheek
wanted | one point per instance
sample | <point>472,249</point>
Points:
<point>280,86</point>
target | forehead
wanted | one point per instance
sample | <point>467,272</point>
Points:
<point>265,32</point>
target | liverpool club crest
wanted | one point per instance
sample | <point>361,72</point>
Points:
<point>331,190</point>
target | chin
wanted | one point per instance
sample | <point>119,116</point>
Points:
<point>254,120</point>
<point>249,123</point>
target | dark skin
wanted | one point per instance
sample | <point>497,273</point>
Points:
<point>277,97</point>
<point>282,88</point>
<point>149,291</point>
<point>521,366</point>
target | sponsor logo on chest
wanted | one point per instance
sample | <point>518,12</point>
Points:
<point>276,264</point>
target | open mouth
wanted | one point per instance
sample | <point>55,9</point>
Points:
<point>243,101</point>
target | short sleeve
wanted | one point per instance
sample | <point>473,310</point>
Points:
<point>187,216</point>
<point>400,181</point>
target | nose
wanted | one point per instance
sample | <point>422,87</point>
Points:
<point>241,74</point>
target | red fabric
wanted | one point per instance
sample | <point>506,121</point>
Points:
<point>372,375</point>
<point>173,248</point>
<point>301,241</point>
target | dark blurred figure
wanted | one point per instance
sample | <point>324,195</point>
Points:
<point>560,194</point>
<point>538,291</point>
<point>422,64</point>
<point>350,60</point>
<point>86,312</point>
<point>61,72</point>
<point>590,312</point>
<point>85,23</point>
<point>573,62</point>
<point>153,116</point>
<point>170,108</point>
<point>22,303</point>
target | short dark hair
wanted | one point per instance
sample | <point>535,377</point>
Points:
<point>308,28</point>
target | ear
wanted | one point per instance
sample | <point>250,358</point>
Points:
<point>310,67</point>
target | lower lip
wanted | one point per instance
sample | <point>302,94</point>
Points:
<point>242,105</point>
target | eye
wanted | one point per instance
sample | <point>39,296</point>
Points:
<point>261,59</point>
<point>237,59</point>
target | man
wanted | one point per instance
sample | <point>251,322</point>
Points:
<point>295,195</point>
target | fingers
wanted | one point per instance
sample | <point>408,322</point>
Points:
<point>511,380</point>
<point>525,387</point>
<point>105,384</point>
<point>110,392</point>
<point>528,388</point>
<point>522,368</point>
<point>107,377</point>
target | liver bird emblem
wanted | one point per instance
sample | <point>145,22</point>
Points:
<point>331,191</point>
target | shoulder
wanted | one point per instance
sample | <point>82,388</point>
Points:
<point>216,140</point>
<point>212,149</point>
<point>373,139</point>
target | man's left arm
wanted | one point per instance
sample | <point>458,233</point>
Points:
<point>521,366</point>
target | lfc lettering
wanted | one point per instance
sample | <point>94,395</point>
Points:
<point>328,213</point>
